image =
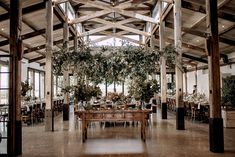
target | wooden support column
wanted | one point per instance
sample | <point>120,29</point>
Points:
<point>106,88</point>
<point>163,64</point>
<point>76,37</point>
<point>49,118</point>
<point>14,126</point>
<point>141,39</point>
<point>178,67</point>
<point>123,87</point>
<point>186,82</point>
<point>76,42</point>
<point>216,134</point>
<point>66,72</point>
<point>195,74</point>
<point>114,87</point>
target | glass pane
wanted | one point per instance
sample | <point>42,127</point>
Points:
<point>4,94</point>
<point>4,80</point>
<point>42,85</point>
<point>4,68</point>
<point>31,81</point>
<point>3,146</point>
<point>3,132</point>
<point>36,84</point>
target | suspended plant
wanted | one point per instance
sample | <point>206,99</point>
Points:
<point>25,87</point>
<point>170,55</point>
<point>107,64</point>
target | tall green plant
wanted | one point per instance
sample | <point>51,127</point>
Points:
<point>143,90</point>
<point>228,91</point>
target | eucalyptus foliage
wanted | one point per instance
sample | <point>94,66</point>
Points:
<point>110,64</point>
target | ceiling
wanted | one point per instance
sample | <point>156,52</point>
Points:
<point>117,18</point>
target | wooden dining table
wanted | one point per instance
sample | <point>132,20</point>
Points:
<point>87,116</point>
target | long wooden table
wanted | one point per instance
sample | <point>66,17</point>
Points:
<point>113,116</point>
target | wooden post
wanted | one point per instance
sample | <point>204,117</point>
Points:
<point>106,88</point>
<point>195,74</point>
<point>123,87</point>
<point>163,64</point>
<point>114,87</point>
<point>76,39</point>
<point>66,72</point>
<point>49,126</point>
<point>14,126</point>
<point>178,67</point>
<point>216,134</point>
<point>186,82</point>
<point>76,42</point>
<point>141,39</point>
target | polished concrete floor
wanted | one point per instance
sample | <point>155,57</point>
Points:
<point>163,140</point>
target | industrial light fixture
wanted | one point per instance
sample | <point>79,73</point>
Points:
<point>113,2</point>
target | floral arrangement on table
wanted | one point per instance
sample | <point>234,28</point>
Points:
<point>115,97</point>
<point>195,97</point>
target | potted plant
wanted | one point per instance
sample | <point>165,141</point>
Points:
<point>228,101</point>
<point>143,90</point>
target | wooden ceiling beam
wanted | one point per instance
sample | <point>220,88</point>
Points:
<point>84,9</point>
<point>43,46</point>
<point>201,9</point>
<point>5,6</point>
<point>90,16</point>
<point>108,25</point>
<point>108,36</point>
<point>61,16</point>
<point>227,29</point>
<point>201,34</point>
<point>36,59</point>
<point>26,10</point>
<point>32,34</point>
<point>194,58</point>
<point>120,26</point>
<point>119,9</point>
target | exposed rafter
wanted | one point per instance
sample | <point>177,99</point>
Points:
<point>32,34</point>
<point>119,9</point>
<point>120,26</point>
<point>201,34</point>
<point>43,46</point>
<point>36,59</point>
<point>26,10</point>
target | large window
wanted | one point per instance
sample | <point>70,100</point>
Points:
<point>57,85</point>
<point>36,79</point>
<point>4,82</point>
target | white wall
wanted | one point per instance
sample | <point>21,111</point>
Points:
<point>190,81</point>
<point>24,68</point>
<point>203,79</point>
